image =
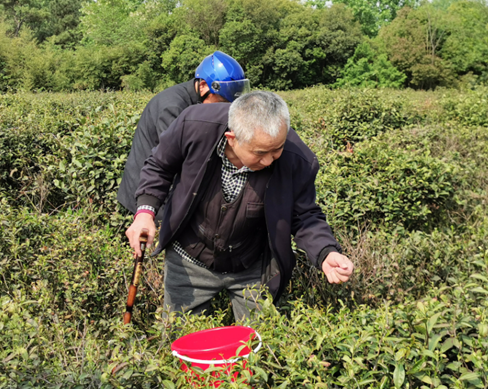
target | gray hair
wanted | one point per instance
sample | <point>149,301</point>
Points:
<point>265,111</point>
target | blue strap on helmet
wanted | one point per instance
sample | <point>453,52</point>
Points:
<point>223,75</point>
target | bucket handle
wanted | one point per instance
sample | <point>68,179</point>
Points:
<point>222,361</point>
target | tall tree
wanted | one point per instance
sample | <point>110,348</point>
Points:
<point>372,15</point>
<point>109,22</point>
<point>466,47</point>
<point>23,12</point>
<point>413,42</point>
<point>368,68</point>
<point>205,17</point>
<point>62,22</point>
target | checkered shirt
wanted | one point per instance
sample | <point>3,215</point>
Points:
<point>233,180</point>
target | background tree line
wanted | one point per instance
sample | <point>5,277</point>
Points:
<point>65,45</point>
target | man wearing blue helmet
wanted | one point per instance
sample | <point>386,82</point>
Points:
<point>219,78</point>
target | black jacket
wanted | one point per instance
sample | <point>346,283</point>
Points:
<point>186,153</point>
<point>159,113</point>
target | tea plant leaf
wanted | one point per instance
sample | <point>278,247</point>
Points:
<point>128,374</point>
<point>369,381</point>
<point>151,367</point>
<point>454,366</point>
<point>432,322</point>
<point>426,379</point>
<point>434,341</point>
<point>479,277</point>
<point>469,377</point>
<point>260,372</point>
<point>384,382</point>
<point>428,353</point>
<point>418,366</point>
<point>168,384</point>
<point>399,375</point>
<point>400,354</point>
<point>449,343</point>
<point>479,289</point>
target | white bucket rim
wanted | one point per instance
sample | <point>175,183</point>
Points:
<point>218,362</point>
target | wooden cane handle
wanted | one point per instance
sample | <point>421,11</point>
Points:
<point>144,235</point>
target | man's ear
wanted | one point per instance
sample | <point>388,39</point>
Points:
<point>203,87</point>
<point>231,138</point>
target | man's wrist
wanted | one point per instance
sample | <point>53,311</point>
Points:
<point>145,209</point>
<point>324,253</point>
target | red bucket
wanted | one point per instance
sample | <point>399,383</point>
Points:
<point>216,347</point>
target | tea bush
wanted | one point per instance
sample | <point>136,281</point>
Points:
<point>57,149</point>
<point>394,266</point>
<point>89,166</point>
<point>73,269</point>
<point>407,200</point>
<point>379,185</point>
<point>358,115</point>
<point>439,341</point>
<point>469,108</point>
<point>353,115</point>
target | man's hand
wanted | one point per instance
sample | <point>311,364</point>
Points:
<point>337,267</point>
<point>143,220</point>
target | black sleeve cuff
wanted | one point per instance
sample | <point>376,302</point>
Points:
<point>146,199</point>
<point>323,254</point>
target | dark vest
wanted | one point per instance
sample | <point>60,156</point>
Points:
<point>228,236</point>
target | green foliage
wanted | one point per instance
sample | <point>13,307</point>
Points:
<point>56,150</point>
<point>62,24</point>
<point>183,57</point>
<point>466,47</point>
<point>23,12</point>
<point>63,45</point>
<point>469,109</point>
<point>109,22</point>
<point>368,69</point>
<point>313,45</point>
<point>413,42</point>
<point>206,18</point>
<point>376,185</point>
<point>408,205</point>
<point>63,265</point>
<point>372,15</point>
<point>355,115</point>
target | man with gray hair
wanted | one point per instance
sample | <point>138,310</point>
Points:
<point>238,183</point>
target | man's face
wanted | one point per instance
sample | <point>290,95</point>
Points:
<point>259,153</point>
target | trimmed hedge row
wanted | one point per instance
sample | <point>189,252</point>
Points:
<point>414,314</point>
<point>438,341</point>
<point>69,150</point>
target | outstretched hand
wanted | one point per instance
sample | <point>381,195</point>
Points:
<point>142,221</point>
<point>337,267</point>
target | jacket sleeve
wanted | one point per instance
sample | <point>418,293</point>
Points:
<point>309,226</point>
<point>162,166</point>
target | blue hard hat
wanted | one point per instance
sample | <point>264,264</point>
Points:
<point>223,75</point>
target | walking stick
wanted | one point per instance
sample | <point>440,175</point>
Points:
<point>136,274</point>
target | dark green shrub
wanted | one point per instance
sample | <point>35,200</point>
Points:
<point>393,266</point>
<point>89,166</point>
<point>73,269</point>
<point>370,69</point>
<point>65,150</point>
<point>362,114</point>
<point>470,108</point>
<point>413,314</point>
<point>334,118</point>
<point>375,185</point>
<point>22,168</point>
